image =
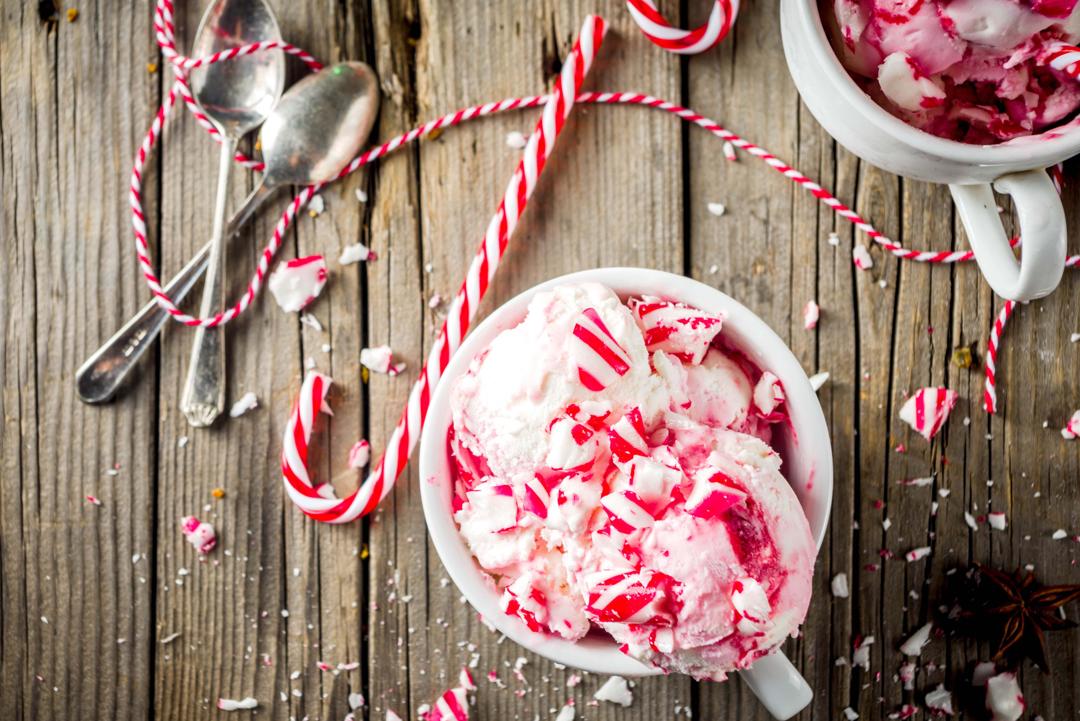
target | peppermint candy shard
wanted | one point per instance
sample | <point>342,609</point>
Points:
<point>600,359</point>
<point>714,494</point>
<point>1072,428</point>
<point>768,395</point>
<point>643,597</point>
<point>927,410</point>
<point>811,315</point>
<point>199,534</point>
<point>674,328</point>
<point>536,498</point>
<point>453,704</point>
<point>298,282</point>
<point>627,436</point>
<point>530,607</point>
<point>626,511</point>
<point>751,605</point>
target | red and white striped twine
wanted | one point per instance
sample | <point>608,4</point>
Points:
<point>677,40</point>
<point>459,315</point>
<point>484,264</point>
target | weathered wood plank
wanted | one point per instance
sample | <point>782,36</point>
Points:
<point>76,618</point>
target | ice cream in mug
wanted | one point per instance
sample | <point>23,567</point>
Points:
<point>614,474</point>
<point>966,70</point>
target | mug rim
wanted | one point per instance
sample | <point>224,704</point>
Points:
<point>1046,148</point>
<point>595,654</point>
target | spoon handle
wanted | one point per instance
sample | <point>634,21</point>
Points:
<point>203,398</point>
<point>99,377</point>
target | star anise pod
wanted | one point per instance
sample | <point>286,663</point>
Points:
<point>1016,610</point>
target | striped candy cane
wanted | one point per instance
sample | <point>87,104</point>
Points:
<point>684,42</point>
<point>992,345</point>
<point>459,316</point>
<point>1061,56</point>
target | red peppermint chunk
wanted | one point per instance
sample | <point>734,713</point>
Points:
<point>1053,8</point>
<point>628,513</point>
<point>676,328</point>
<point>452,705</point>
<point>928,409</point>
<point>628,436</point>
<point>643,597</point>
<point>537,498</point>
<point>768,395</point>
<point>714,494</point>
<point>527,603</point>
<point>599,358</point>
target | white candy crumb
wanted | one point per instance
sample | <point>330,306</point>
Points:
<point>170,638</point>
<point>944,492</point>
<point>861,255</point>
<point>566,713</point>
<point>717,209</point>
<point>997,521</point>
<point>1059,534</point>
<point>886,524</point>
<point>434,301</point>
<point>840,585</point>
<point>360,454</point>
<point>228,704</point>
<point>516,140</point>
<point>356,700</point>
<point>1074,337</point>
<point>850,714</point>
<point>355,253</point>
<point>834,239</point>
<point>729,151</point>
<point>181,441</point>
<point>391,716</point>
<point>818,379</point>
<point>917,554</point>
<point>861,655</point>
<point>247,402</point>
<point>311,321</point>
<point>713,269</point>
<point>811,314</point>
<point>615,690</point>
<point>914,645</point>
<point>361,195</point>
<point>316,206</point>
<point>970,521</point>
<point>1004,699</point>
<point>939,701</point>
<point>380,359</point>
<point>297,282</point>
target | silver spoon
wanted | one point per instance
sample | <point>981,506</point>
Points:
<point>236,97</point>
<point>319,125</point>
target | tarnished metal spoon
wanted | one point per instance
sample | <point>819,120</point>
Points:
<point>237,97</point>
<point>319,125</point>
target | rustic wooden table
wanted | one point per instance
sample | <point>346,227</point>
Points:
<point>92,595</point>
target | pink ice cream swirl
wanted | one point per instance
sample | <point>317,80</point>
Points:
<point>967,70</point>
<point>614,474</point>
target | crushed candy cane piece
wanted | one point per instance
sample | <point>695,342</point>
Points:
<point>391,716</point>
<point>729,151</point>
<point>834,238</point>
<point>566,713</point>
<point>298,282</point>
<point>356,700</point>
<point>361,195</point>
<point>768,394</point>
<point>907,675</point>
<point>811,314</point>
<point>717,209</point>
<point>316,205</point>
<point>751,605</point>
<point>675,328</point>
<point>917,554</point>
<point>861,255</point>
<point>997,521</point>
<point>311,321</point>
<point>818,379</point>
<point>615,690</point>
<point>1004,699</point>
<point>850,714</point>
<point>927,410</point>
<point>380,359</point>
<point>1072,428</point>
<point>917,482</point>
<point>453,704</point>
<point>1059,534</point>
<point>434,301</point>
<point>839,585</point>
<point>355,253</point>
<point>861,655</point>
<point>516,140</point>
<point>915,643</point>
<point>228,704</point>
<point>360,454</point>
<point>247,402</point>
<point>199,534</point>
<point>939,701</point>
<point>93,499</point>
<point>599,358</point>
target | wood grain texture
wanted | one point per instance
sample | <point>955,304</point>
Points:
<point>626,186</point>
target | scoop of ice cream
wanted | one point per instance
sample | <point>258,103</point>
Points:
<point>613,471</point>
<point>966,70</point>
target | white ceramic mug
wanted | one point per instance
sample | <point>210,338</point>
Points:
<point>804,446</point>
<point>1017,167</point>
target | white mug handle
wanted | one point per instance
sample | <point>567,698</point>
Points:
<point>1042,228</point>
<point>778,685</point>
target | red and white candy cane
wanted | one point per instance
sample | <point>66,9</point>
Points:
<point>677,40</point>
<point>459,315</point>
<point>1062,56</point>
<point>992,343</point>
